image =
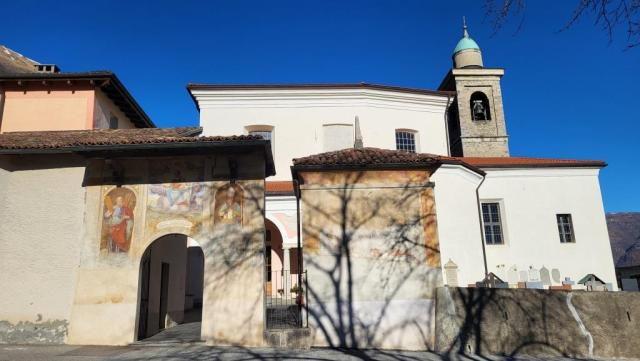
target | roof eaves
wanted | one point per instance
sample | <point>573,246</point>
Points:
<point>464,164</point>
<point>209,86</point>
<point>141,119</point>
<point>577,164</point>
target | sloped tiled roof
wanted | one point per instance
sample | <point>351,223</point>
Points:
<point>624,234</point>
<point>503,162</point>
<point>14,142</point>
<point>12,62</point>
<point>366,156</point>
<point>375,157</point>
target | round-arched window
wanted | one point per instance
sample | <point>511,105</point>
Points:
<point>479,105</point>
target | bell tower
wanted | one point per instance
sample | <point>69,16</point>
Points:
<point>475,119</point>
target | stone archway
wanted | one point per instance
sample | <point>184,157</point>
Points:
<point>170,273</point>
<point>273,258</point>
<point>123,222</point>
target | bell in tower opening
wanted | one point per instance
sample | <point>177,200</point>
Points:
<point>479,113</point>
<point>480,107</point>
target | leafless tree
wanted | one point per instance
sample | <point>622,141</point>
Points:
<point>608,15</point>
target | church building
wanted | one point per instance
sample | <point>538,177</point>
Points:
<point>526,219</point>
<point>296,215</point>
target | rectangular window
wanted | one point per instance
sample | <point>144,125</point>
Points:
<point>492,223</point>
<point>337,137</point>
<point>406,141</point>
<point>265,134</point>
<point>565,228</point>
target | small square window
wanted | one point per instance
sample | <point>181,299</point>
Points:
<point>565,228</point>
<point>492,223</point>
<point>406,141</point>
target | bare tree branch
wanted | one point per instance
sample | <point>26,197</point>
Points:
<point>608,15</point>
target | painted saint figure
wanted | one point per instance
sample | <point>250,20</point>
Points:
<point>118,221</point>
<point>228,207</point>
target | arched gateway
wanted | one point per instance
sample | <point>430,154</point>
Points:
<point>138,274</point>
<point>171,280</point>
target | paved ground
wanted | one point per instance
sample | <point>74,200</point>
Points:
<point>200,352</point>
<point>179,334</point>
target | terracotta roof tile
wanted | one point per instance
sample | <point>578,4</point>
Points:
<point>61,140</point>
<point>366,156</point>
<point>393,158</point>
<point>503,162</point>
<point>279,187</point>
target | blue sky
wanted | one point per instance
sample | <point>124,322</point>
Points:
<point>567,94</point>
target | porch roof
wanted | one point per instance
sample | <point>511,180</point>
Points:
<point>130,142</point>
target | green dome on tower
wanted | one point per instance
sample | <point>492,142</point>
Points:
<point>467,53</point>
<point>466,43</point>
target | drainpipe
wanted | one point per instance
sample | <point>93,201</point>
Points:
<point>446,124</point>
<point>298,194</point>
<point>484,252</point>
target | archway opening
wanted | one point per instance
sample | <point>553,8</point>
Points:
<point>282,276</point>
<point>480,107</point>
<point>171,283</point>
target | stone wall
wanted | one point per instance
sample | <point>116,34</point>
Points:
<point>537,322</point>
<point>372,255</point>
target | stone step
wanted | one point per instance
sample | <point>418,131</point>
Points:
<point>289,338</point>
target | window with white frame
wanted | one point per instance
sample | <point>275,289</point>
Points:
<point>406,140</point>
<point>565,228</point>
<point>492,223</point>
<point>337,137</point>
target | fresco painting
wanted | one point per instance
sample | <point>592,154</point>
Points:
<point>228,204</point>
<point>118,220</point>
<point>183,203</point>
<point>176,197</point>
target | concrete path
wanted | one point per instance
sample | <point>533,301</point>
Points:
<point>179,334</point>
<point>199,352</point>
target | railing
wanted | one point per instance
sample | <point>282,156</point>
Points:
<point>286,295</point>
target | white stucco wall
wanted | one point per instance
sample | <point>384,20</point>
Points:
<point>458,222</point>
<point>298,115</point>
<point>530,200</point>
<point>40,240</point>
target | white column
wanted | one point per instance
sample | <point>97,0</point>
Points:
<point>286,268</point>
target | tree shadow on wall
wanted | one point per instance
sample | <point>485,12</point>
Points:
<point>372,271</point>
<point>508,322</point>
<point>233,256</point>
